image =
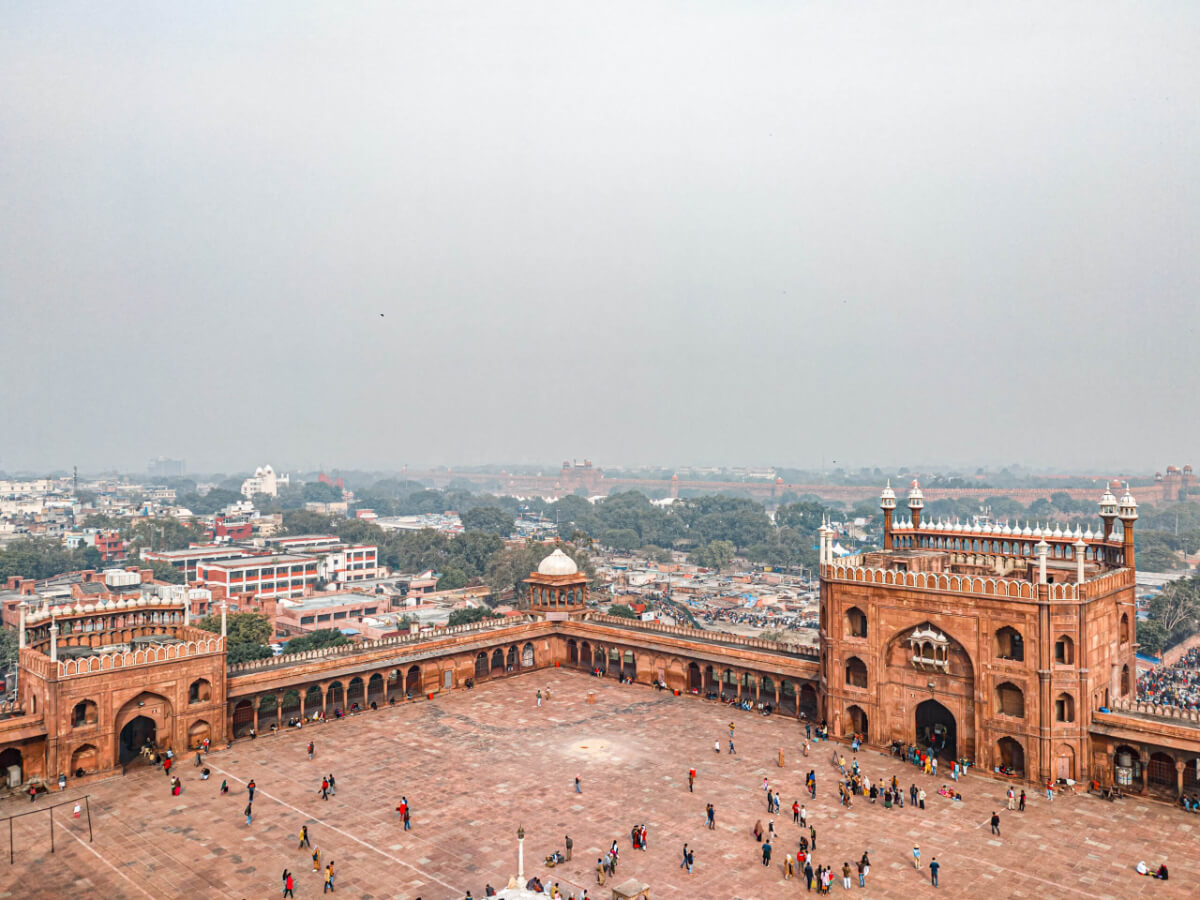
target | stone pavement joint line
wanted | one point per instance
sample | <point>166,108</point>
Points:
<point>320,821</point>
<point>477,764</point>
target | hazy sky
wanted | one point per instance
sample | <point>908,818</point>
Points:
<point>739,232</point>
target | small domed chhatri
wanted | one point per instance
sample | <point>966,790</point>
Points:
<point>557,590</point>
<point>557,563</point>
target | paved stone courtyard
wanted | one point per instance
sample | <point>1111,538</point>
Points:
<point>476,764</point>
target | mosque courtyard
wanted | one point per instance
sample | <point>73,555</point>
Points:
<point>477,764</point>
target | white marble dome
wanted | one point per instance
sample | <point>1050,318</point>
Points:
<point>558,563</point>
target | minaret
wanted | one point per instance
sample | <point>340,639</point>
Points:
<point>1128,515</point>
<point>887,502</point>
<point>1108,510</point>
<point>224,607</point>
<point>1042,549</point>
<point>916,502</point>
<point>1080,558</point>
<point>53,641</point>
<point>21,639</point>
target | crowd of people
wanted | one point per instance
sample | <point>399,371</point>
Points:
<point>1174,685</point>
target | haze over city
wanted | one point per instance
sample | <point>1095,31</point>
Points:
<point>646,232</point>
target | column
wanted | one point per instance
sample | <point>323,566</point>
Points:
<point>1179,766</point>
<point>257,700</point>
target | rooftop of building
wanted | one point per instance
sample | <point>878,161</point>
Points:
<point>253,562</point>
<point>322,601</point>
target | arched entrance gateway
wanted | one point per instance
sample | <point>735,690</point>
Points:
<point>936,729</point>
<point>928,672</point>
<point>144,719</point>
<point>137,733</point>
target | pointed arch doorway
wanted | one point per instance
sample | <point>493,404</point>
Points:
<point>936,728</point>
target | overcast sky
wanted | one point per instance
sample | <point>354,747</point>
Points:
<point>673,233</point>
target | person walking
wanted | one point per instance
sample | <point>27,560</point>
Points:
<point>316,858</point>
<point>862,874</point>
<point>1049,790</point>
<point>1021,805</point>
<point>329,879</point>
<point>77,811</point>
<point>570,846</point>
<point>808,873</point>
<point>1012,798</point>
<point>691,780</point>
<point>921,797</point>
<point>288,884</point>
<point>865,862</point>
<point>332,785</point>
<point>716,746</point>
<point>407,817</point>
<point>812,837</point>
<point>323,790</point>
<point>599,871</point>
<point>766,853</point>
<point>691,861</point>
<point>995,823</point>
<point>711,813</point>
<point>916,856</point>
<point>731,750</point>
<point>539,698</point>
<point>934,865</point>
<point>846,875</point>
<point>224,786</point>
<point>578,785</point>
<point>249,812</point>
<point>795,812</point>
<point>303,838</point>
<point>250,789</point>
<point>311,750</point>
<point>683,861</point>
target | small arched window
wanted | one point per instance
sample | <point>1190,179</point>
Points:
<point>1010,700</point>
<point>856,623</point>
<point>1064,651</point>
<point>856,672</point>
<point>1124,629</point>
<point>1064,708</point>
<point>83,714</point>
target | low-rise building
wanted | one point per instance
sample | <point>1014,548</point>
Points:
<point>279,575</point>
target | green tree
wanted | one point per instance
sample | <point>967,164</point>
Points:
<point>1177,607</point>
<point>491,519</point>
<point>622,611</point>
<point>316,640</point>
<point>621,539</point>
<point>452,580</point>
<point>248,635</point>
<point>713,555</point>
<point>1152,636</point>
<point>9,641</point>
<point>470,615</point>
<point>320,492</point>
<point>301,521</point>
<point>164,571</point>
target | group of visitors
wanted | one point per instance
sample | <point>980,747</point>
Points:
<point>1174,685</point>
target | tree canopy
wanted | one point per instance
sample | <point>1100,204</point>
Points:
<point>471,614</point>
<point>247,635</point>
<point>316,640</point>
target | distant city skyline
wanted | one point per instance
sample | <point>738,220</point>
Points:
<point>719,233</point>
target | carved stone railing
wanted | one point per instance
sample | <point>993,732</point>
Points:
<point>845,570</point>
<point>1160,711</point>
<point>689,633</point>
<point>143,656</point>
<point>355,649</point>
